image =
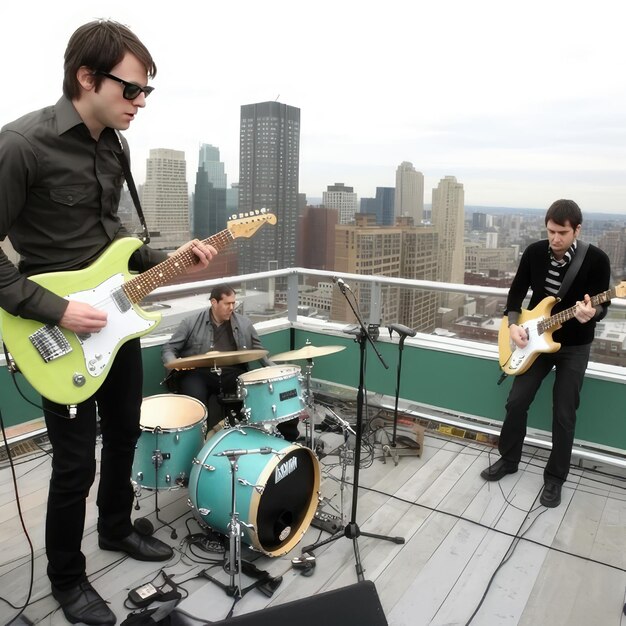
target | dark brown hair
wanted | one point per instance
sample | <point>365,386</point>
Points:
<point>101,45</point>
<point>219,291</point>
<point>563,211</point>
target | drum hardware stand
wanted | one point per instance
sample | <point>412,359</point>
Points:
<point>157,460</point>
<point>352,530</point>
<point>235,564</point>
<point>389,448</point>
<point>325,521</point>
<point>309,402</point>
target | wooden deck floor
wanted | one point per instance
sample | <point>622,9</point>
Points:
<point>462,552</point>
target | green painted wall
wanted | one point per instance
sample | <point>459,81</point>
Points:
<point>16,410</point>
<point>458,383</point>
<point>468,385</point>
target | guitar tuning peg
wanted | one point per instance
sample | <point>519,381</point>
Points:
<point>263,210</point>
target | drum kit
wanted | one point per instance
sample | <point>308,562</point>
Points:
<point>244,480</point>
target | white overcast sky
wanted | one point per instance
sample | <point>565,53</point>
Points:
<point>523,102</point>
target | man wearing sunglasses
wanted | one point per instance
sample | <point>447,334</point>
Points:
<point>60,186</point>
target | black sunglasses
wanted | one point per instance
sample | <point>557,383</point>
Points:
<point>131,90</point>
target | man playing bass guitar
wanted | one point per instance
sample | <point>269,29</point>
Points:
<point>543,268</point>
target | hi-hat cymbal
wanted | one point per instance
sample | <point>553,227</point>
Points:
<point>216,359</point>
<point>308,352</point>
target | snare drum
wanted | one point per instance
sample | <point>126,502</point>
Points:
<point>271,394</point>
<point>276,494</point>
<point>172,433</point>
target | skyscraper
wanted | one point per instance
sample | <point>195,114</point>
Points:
<point>342,198</point>
<point>316,238</point>
<point>209,158</point>
<point>382,206</point>
<point>269,160</point>
<point>209,201</point>
<point>448,218</point>
<point>165,199</point>
<point>409,197</point>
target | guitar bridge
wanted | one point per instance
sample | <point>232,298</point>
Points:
<point>50,342</point>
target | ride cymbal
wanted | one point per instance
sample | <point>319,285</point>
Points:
<point>216,359</point>
<point>307,352</point>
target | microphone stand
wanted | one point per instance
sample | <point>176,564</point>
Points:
<point>404,332</point>
<point>352,530</point>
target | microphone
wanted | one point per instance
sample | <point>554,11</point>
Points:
<point>403,331</point>
<point>341,284</point>
<point>264,450</point>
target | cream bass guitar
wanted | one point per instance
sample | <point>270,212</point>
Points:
<point>540,325</point>
<point>68,368</point>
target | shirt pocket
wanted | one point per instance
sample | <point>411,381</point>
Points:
<point>69,195</point>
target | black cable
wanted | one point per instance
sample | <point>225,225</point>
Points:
<point>21,516</point>
<point>507,555</point>
<point>491,528</point>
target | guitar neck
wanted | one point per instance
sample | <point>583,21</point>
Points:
<point>567,314</point>
<point>137,288</point>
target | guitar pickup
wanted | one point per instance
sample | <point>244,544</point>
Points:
<point>50,343</point>
<point>121,299</point>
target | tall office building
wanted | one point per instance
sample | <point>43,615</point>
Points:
<point>209,214</point>
<point>209,159</point>
<point>448,218</point>
<point>614,244</point>
<point>316,238</point>
<point>232,199</point>
<point>269,160</point>
<point>409,196</point>
<point>479,221</point>
<point>382,206</point>
<point>401,251</point>
<point>342,198</point>
<point>165,199</point>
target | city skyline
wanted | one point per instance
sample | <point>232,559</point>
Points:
<point>522,107</point>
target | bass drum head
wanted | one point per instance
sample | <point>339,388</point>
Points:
<point>276,493</point>
<point>286,508</point>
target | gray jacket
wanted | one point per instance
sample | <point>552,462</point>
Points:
<point>194,335</point>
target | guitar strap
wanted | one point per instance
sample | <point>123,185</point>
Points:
<point>579,257</point>
<point>123,159</point>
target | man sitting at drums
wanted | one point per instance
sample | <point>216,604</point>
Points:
<point>217,328</point>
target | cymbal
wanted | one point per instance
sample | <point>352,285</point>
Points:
<point>216,359</point>
<point>307,352</point>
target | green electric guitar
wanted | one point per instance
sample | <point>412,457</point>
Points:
<point>68,368</point>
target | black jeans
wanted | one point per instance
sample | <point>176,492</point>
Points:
<point>74,465</point>
<point>570,363</point>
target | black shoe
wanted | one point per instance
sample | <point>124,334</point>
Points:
<point>499,470</point>
<point>138,547</point>
<point>82,603</point>
<point>550,495</point>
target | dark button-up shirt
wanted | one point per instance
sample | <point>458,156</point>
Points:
<point>593,278</point>
<point>59,195</point>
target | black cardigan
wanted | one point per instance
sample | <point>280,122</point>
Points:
<point>593,278</point>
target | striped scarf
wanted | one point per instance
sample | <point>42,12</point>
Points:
<point>557,270</point>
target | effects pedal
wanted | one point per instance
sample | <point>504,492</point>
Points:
<point>324,521</point>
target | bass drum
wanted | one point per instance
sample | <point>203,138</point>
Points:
<point>276,493</point>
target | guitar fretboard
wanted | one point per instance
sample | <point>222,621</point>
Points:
<point>137,288</point>
<point>567,314</point>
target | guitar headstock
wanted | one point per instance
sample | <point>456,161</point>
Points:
<point>246,224</point>
<point>620,290</point>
